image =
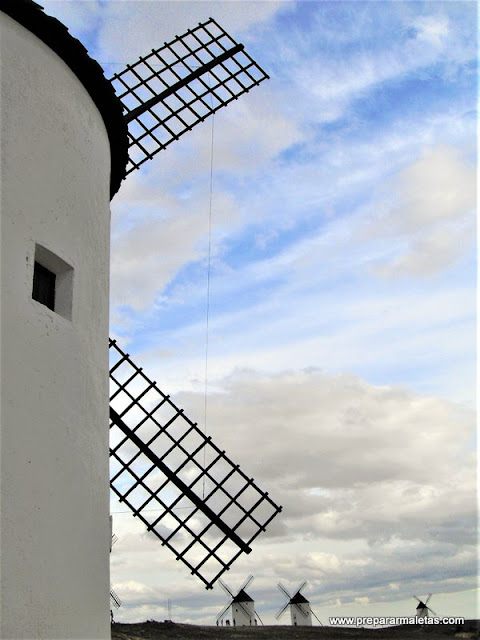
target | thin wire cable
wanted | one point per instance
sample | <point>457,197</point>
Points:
<point>207,327</point>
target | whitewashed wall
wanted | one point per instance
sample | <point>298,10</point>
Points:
<point>244,615</point>
<point>54,526</point>
<point>299,618</point>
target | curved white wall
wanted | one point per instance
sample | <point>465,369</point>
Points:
<point>244,615</point>
<point>301,617</point>
<point>54,526</point>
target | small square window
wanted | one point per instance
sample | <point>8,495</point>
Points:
<point>44,286</point>
<point>52,282</point>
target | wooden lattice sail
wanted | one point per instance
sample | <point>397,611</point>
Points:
<point>184,488</point>
<point>170,90</point>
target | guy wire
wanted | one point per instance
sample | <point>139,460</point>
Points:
<point>208,295</point>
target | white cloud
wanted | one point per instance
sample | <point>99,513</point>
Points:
<point>146,256</point>
<point>440,186</point>
<point>430,210</point>
<point>432,29</point>
<point>429,254</point>
<point>394,428</point>
<point>161,218</point>
<point>433,326</point>
<point>327,85</point>
<point>126,29</point>
<point>130,29</point>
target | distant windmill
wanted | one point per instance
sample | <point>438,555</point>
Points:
<point>167,471</point>
<point>114,599</point>
<point>423,610</point>
<point>300,610</point>
<point>114,540</point>
<point>241,604</point>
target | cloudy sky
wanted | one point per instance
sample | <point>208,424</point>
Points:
<point>341,310</point>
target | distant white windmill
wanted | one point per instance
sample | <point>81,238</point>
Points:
<point>114,599</point>
<point>300,610</point>
<point>242,605</point>
<point>423,610</point>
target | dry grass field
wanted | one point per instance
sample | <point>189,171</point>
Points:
<point>153,630</point>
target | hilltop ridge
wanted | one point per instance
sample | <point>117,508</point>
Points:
<point>153,630</point>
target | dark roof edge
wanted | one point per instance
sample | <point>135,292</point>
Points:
<point>242,596</point>
<point>299,599</point>
<point>57,37</point>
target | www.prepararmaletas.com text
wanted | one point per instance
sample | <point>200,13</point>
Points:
<point>389,621</point>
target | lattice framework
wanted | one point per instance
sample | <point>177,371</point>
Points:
<point>167,92</point>
<point>172,476</point>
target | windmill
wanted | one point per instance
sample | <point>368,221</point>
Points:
<point>300,610</point>
<point>114,599</point>
<point>69,136</point>
<point>423,610</point>
<point>241,604</point>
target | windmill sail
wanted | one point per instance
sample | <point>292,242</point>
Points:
<point>423,610</point>
<point>298,602</point>
<point>169,473</point>
<point>176,480</point>
<point>115,600</point>
<point>170,90</point>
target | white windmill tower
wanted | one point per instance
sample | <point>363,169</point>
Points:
<point>241,605</point>
<point>69,137</point>
<point>422,609</point>
<point>300,610</point>
<point>63,151</point>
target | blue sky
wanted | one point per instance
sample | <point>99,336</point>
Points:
<point>341,342</point>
